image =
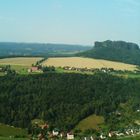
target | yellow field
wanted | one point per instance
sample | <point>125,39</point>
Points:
<point>22,61</point>
<point>91,122</point>
<point>79,62</point>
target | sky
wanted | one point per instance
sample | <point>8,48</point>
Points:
<point>69,21</point>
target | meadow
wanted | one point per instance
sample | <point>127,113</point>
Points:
<point>9,138</point>
<point>80,62</point>
<point>2,74</point>
<point>9,131</point>
<point>130,138</point>
<point>19,64</point>
<point>91,122</point>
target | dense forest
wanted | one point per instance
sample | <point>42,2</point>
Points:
<point>63,99</point>
<point>38,49</point>
<point>115,51</point>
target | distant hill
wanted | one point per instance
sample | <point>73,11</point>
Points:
<point>38,49</point>
<point>115,51</point>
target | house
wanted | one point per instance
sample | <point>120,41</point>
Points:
<point>85,138</point>
<point>120,134</point>
<point>29,71</point>
<point>111,134</point>
<point>102,137</point>
<point>55,132</point>
<point>33,69</point>
<point>91,138</point>
<point>62,134</point>
<point>70,136</point>
<point>45,126</point>
<point>127,132</point>
<point>118,113</point>
<point>41,136</point>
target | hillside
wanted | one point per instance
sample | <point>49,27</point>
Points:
<point>38,49</point>
<point>115,51</point>
<point>79,62</point>
<point>63,100</point>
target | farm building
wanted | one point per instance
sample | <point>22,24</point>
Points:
<point>45,126</point>
<point>33,69</point>
<point>70,136</point>
<point>55,132</point>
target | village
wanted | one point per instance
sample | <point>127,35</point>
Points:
<point>43,132</point>
<point>41,68</point>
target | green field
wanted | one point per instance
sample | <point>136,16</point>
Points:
<point>19,69</point>
<point>10,138</point>
<point>19,64</point>
<point>132,75</point>
<point>7,131</point>
<point>130,138</point>
<point>91,122</point>
<point>2,74</point>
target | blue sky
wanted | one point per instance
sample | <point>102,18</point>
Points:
<point>69,21</point>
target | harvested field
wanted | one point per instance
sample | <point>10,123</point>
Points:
<point>79,62</point>
<point>22,61</point>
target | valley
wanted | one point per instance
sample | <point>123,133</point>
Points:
<point>105,93</point>
<point>69,69</point>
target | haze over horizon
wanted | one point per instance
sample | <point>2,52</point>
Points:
<point>70,22</point>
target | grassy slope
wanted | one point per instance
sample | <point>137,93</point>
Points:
<point>6,131</point>
<point>91,122</point>
<point>9,138</point>
<point>130,138</point>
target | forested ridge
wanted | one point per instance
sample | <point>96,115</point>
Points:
<point>115,51</point>
<point>8,49</point>
<point>63,99</point>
